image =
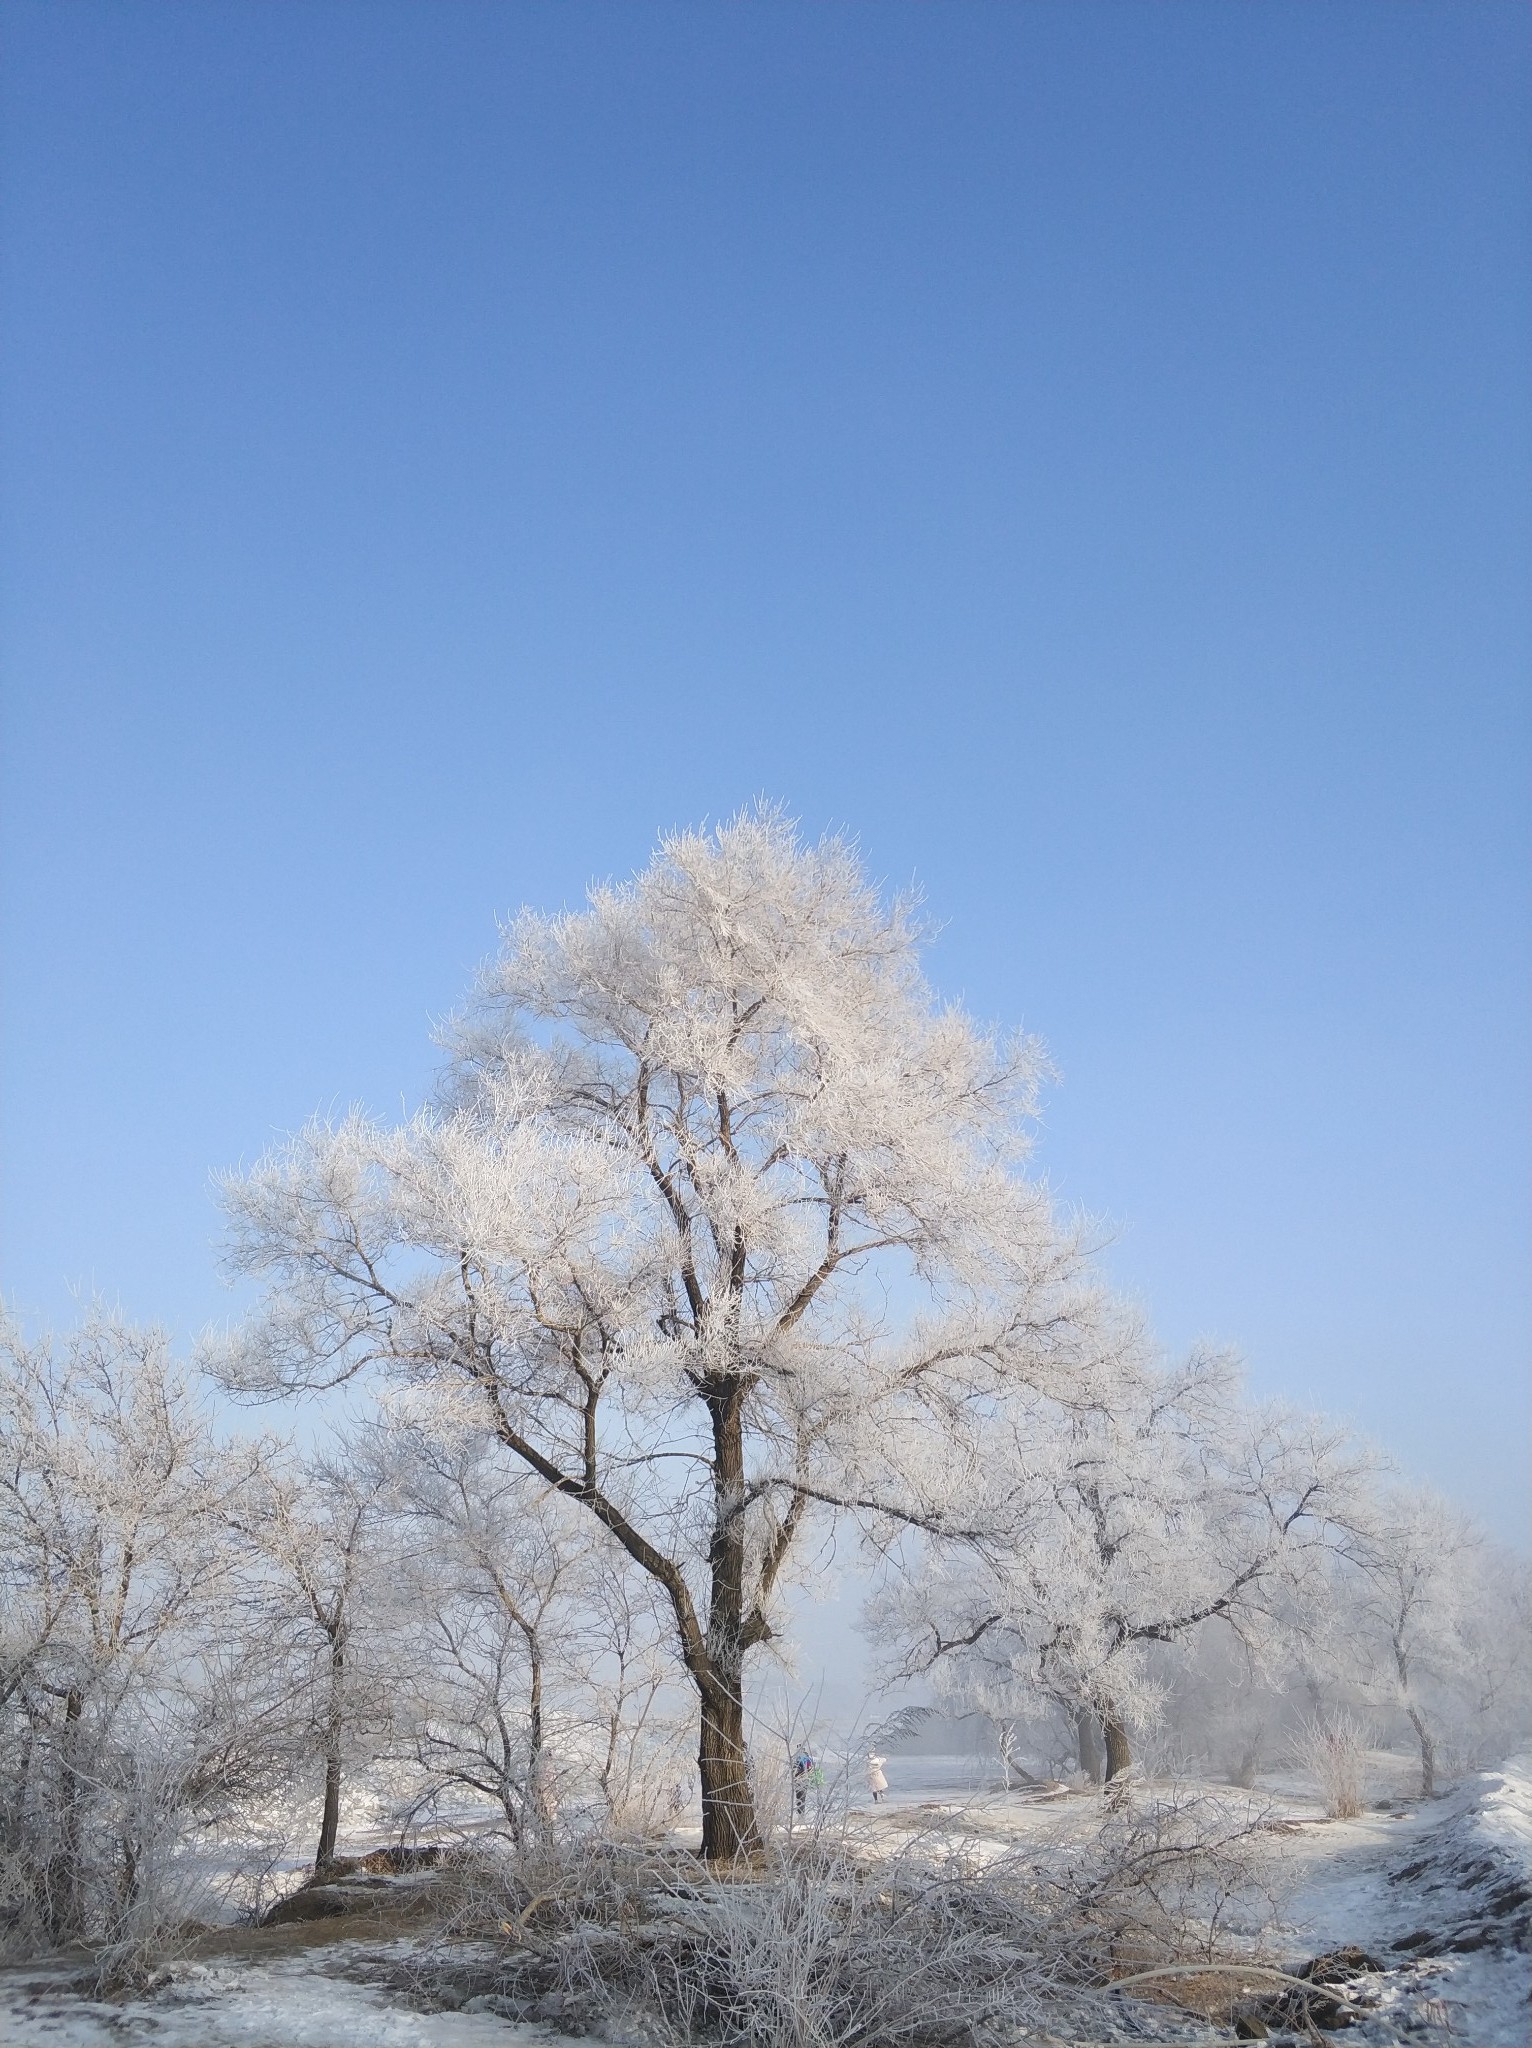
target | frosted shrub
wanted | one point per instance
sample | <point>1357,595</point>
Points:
<point>1332,1750</point>
<point>813,1944</point>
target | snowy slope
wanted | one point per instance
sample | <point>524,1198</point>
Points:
<point>1440,1897</point>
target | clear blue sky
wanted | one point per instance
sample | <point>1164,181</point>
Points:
<point>1083,449</point>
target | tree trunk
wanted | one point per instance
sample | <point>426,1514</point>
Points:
<point>609,1763</point>
<point>1244,1771</point>
<point>728,1803</point>
<point>128,1884</point>
<point>1417,1722</point>
<point>329,1822</point>
<point>1427,1754</point>
<point>63,1890</point>
<point>1118,1755</point>
<point>539,1788</point>
<point>1088,1736</point>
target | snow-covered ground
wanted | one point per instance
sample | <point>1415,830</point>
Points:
<point>295,2001</point>
<point>1438,1893</point>
<point>1441,1894</point>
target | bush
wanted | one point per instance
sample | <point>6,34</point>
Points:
<point>1332,1749</point>
<point>818,1944</point>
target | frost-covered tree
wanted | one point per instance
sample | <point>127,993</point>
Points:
<point>626,1681</point>
<point>495,1581</point>
<point>1419,1573</point>
<point>719,1224</point>
<point>1226,1705</point>
<point>317,1526</point>
<point>1496,1634</point>
<point>129,1709</point>
<point>1131,1516</point>
<point>534,1680</point>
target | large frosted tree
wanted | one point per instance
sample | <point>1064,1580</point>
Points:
<point>718,1224</point>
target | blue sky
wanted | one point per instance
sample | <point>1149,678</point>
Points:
<point>1081,449</point>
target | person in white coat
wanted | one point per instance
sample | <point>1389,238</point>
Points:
<point>877,1784</point>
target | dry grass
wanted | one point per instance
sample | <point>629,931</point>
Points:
<point>1333,1750</point>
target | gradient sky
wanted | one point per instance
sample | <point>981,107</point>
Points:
<point>1081,449</point>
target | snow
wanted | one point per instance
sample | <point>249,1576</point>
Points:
<point>1451,1868</point>
<point>1505,1811</point>
<point>291,2002</point>
<point>1439,1895</point>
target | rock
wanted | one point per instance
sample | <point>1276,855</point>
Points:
<point>328,1899</point>
<point>402,1861</point>
<point>1467,1940</point>
<point>1422,1939</point>
<point>310,1902</point>
<point>1339,1966</point>
<point>1307,2011</point>
<point>1510,1898</point>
